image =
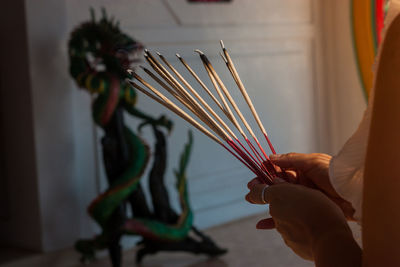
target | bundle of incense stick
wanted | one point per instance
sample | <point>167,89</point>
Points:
<point>252,156</point>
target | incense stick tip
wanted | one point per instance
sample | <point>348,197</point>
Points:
<point>159,54</point>
<point>179,56</point>
<point>198,51</point>
<point>129,71</point>
<point>222,44</point>
<point>134,74</point>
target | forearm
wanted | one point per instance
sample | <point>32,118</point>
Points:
<point>337,248</point>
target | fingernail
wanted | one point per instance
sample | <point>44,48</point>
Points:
<point>275,156</point>
<point>259,225</point>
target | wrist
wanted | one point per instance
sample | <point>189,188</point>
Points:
<point>330,237</point>
<point>336,248</point>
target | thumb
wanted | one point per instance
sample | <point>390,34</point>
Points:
<point>296,161</point>
<point>266,224</point>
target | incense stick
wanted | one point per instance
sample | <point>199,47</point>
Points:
<point>177,96</point>
<point>229,112</point>
<point>258,156</point>
<point>194,105</point>
<point>165,102</point>
<point>174,83</point>
<point>180,77</point>
<point>208,65</point>
<point>187,99</point>
<point>200,82</point>
<point>192,100</point>
<point>154,77</point>
<point>168,104</point>
<point>204,103</point>
<point>245,95</point>
<point>201,116</point>
<point>180,89</point>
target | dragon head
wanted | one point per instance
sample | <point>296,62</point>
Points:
<point>100,46</point>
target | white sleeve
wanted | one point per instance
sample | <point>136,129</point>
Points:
<point>346,170</point>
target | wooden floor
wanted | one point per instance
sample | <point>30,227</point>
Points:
<point>247,247</point>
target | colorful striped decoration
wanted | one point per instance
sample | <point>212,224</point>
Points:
<point>367,23</point>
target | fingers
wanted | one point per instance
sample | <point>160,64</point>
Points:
<point>253,182</point>
<point>307,181</point>
<point>266,224</point>
<point>256,194</point>
<point>273,169</point>
<point>276,193</point>
<point>297,161</point>
<point>288,174</point>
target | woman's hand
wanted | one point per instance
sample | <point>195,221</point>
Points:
<point>309,222</point>
<point>312,170</point>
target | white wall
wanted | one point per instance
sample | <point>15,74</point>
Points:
<point>272,45</point>
<point>276,47</point>
<point>53,113</point>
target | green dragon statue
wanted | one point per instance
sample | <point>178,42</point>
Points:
<point>99,54</point>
